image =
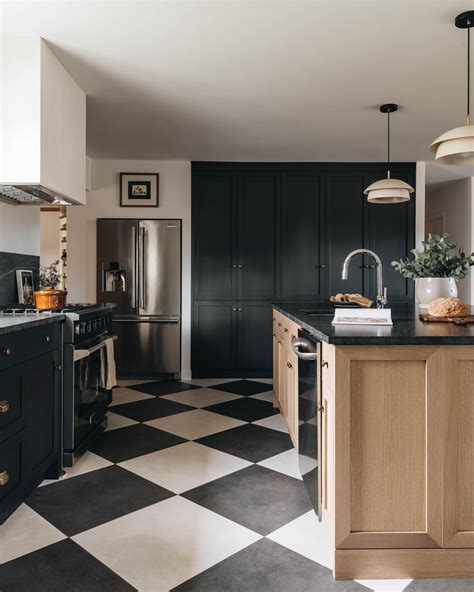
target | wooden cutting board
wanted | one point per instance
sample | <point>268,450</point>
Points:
<point>466,320</point>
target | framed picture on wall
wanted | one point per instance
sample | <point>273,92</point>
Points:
<point>139,190</point>
<point>25,286</point>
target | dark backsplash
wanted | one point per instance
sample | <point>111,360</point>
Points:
<point>9,263</point>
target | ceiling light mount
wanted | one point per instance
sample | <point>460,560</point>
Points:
<point>465,20</point>
<point>389,108</point>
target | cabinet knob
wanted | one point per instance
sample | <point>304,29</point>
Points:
<point>4,406</point>
<point>274,320</point>
<point>324,364</point>
<point>240,266</point>
<point>234,310</point>
<point>289,365</point>
<point>293,337</point>
<point>320,266</point>
<point>58,368</point>
<point>4,478</point>
<point>286,330</point>
<point>234,266</point>
<point>46,338</point>
<point>7,351</point>
<point>279,324</point>
<point>240,310</point>
<point>321,408</point>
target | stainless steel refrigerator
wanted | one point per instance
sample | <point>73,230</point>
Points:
<point>139,269</point>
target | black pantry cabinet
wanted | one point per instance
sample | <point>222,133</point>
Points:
<point>279,232</point>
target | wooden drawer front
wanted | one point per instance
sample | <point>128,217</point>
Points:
<point>290,330</point>
<point>13,349</point>
<point>11,467</point>
<point>43,339</point>
<point>13,384</point>
<point>277,323</point>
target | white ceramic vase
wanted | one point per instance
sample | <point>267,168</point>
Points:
<point>429,289</point>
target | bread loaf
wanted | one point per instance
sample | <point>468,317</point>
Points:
<point>448,307</point>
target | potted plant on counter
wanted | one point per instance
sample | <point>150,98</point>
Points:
<point>436,268</point>
<point>48,296</point>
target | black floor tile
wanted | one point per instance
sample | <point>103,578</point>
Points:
<point>150,409</point>
<point>245,409</point>
<point>244,387</point>
<point>62,567</point>
<point>266,566</point>
<point>255,497</point>
<point>136,440</point>
<point>251,442</point>
<point>163,387</point>
<point>85,501</point>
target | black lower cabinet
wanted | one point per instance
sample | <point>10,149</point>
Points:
<point>30,426</point>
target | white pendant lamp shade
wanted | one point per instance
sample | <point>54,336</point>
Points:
<point>388,191</point>
<point>457,145</point>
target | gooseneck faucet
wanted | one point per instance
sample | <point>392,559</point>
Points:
<point>381,291</point>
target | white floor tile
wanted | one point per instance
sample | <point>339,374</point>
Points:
<point>385,585</point>
<point>286,462</point>
<point>202,397</point>
<point>163,545</point>
<point>115,421</point>
<point>263,380</point>
<point>308,537</point>
<point>195,424</point>
<point>185,466</point>
<point>131,382</point>
<point>122,395</point>
<point>210,381</point>
<point>85,464</point>
<point>274,422</point>
<point>24,532</point>
<point>266,396</point>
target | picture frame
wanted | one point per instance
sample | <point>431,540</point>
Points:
<point>139,190</point>
<point>25,286</point>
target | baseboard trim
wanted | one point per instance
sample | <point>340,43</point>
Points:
<point>368,564</point>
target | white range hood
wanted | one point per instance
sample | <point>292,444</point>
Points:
<point>42,127</point>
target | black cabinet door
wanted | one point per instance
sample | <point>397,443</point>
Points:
<point>43,414</point>
<point>259,236</point>
<point>345,230</point>
<point>13,393</point>
<point>12,471</point>
<point>214,338</point>
<point>303,271</point>
<point>255,345</point>
<point>214,228</point>
<point>391,234</point>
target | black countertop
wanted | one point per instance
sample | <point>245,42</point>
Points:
<point>407,328</point>
<point>19,323</point>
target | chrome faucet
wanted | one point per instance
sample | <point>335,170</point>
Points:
<point>381,299</point>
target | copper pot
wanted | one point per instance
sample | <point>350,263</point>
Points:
<point>50,298</point>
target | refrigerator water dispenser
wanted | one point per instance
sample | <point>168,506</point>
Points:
<point>114,278</point>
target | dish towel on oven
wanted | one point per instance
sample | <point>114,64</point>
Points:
<point>108,378</point>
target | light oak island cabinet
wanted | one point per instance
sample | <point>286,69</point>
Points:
<point>397,455</point>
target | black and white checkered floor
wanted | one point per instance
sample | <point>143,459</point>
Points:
<point>194,486</point>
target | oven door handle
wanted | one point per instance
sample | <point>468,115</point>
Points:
<point>80,354</point>
<point>310,354</point>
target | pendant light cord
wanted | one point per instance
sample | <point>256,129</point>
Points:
<point>388,144</point>
<point>469,75</point>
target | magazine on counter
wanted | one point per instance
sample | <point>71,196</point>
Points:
<point>362,316</point>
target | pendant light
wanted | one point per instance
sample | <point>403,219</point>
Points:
<point>388,191</point>
<point>457,145</point>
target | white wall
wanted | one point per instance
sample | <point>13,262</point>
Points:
<point>103,202</point>
<point>455,200</point>
<point>49,237</point>
<point>20,229</point>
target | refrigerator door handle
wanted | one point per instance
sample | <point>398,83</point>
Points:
<point>134,264</point>
<point>141,266</point>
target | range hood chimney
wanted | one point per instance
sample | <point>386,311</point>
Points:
<point>43,130</point>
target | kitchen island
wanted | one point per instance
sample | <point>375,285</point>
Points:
<point>396,430</point>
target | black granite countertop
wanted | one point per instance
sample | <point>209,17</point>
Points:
<point>407,328</point>
<point>19,323</point>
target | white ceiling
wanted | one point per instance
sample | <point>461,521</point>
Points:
<point>258,80</point>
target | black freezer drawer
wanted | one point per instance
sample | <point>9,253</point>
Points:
<point>147,346</point>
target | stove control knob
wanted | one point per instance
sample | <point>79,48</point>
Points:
<point>89,327</point>
<point>77,329</point>
<point>94,325</point>
<point>83,328</point>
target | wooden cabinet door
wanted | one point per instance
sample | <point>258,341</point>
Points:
<point>214,237</point>
<point>213,344</point>
<point>345,230</point>
<point>276,367</point>
<point>303,264</point>
<point>391,234</point>
<point>254,336</point>
<point>259,236</point>
<point>282,381</point>
<point>292,395</point>
<point>389,447</point>
<point>43,414</point>
<point>458,499</point>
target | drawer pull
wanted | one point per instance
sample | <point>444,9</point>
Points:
<point>274,320</point>
<point>289,365</point>
<point>325,364</point>
<point>4,478</point>
<point>286,330</point>
<point>46,338</point>
<point>7,351</point>
<point>279,324</point>
<point>4,406</point>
